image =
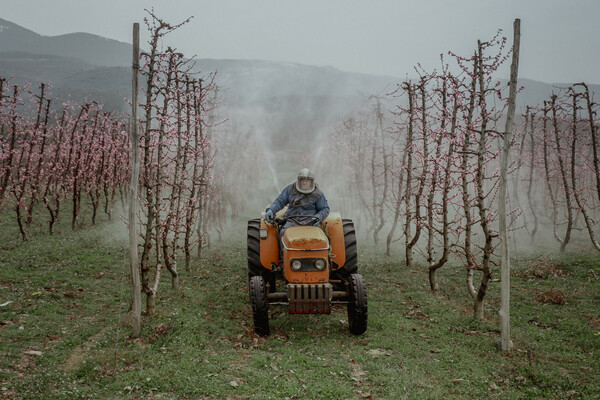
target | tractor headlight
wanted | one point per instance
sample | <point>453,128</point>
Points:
<point>296,265</point>
<point>320,264</point>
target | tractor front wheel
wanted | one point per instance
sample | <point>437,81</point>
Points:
<point>357,305</point>
<point>260,306</point>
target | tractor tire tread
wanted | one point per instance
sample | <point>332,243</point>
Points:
<point>254,266</point>
<point>260,306</point>
<point>357,305</point>
<point>351,264</point>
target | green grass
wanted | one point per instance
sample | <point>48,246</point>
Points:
<point>69,296</point>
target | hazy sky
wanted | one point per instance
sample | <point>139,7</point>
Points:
<point>560,38</point>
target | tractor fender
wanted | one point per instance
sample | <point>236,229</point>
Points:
<point>269,245</point>
<point>335,231</point>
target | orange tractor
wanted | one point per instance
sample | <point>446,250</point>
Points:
<point>315,269</point>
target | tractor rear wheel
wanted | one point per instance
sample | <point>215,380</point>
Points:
<point>357,305</point>
<point>351,265</point>
<point>255,268</point>
<point>260,306</point>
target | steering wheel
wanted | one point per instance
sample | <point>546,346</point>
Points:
<point>302,220</point>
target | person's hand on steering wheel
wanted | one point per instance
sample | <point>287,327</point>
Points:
<point>270,216</point>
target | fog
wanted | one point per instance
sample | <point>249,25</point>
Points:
<point>298,122</point>
<point>288,113</point>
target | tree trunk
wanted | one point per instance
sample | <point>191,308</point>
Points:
<point>582,207</point>
<point>423,178</point>
<point>408,190</point>
<point>563,174</point>
<point>549,185</point>
<point>7,164</point>
<point>479,176</point>
<point>465,183</point>
<point>380,206</point>
<point>433,267</point>
<point>390,236</point>
<point>479,298</point>
<point>530,199</point>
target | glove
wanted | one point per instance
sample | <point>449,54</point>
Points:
<point>269,216</point>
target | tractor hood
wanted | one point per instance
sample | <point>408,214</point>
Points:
<point>305,238</point>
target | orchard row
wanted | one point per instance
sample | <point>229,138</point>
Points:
<point>51,155</point>
<point>428,170</point>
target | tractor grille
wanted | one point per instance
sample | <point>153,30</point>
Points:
<point>309,298</point>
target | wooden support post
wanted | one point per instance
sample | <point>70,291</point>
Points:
<point>133,195</point>
<point>506,344</point>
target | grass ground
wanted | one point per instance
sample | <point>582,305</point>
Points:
<point>63,333</point>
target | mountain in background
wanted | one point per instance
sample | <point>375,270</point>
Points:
<point>90,48</point>
<point>296,99</point>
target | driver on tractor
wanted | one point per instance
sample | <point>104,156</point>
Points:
<point>317,264</point>
<point>302,197</point>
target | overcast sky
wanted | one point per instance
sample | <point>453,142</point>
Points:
<point>560,38</point>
